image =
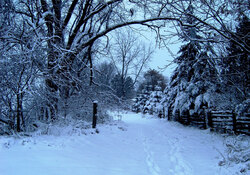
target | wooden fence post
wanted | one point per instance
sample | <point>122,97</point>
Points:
<point>94,114</point>
<point>188,117</point>
<point>169,114</point>
<point>163,112</point>
<point>234,122</point>
<point>159,114</point>
<point>209,118</point>
<point>178,115</point>
<point>205,118</point>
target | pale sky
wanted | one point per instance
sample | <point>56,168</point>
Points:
<point>161,59</point>
<point>162,56</point>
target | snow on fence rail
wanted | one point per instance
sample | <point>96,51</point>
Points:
<point>222,121</point>
<point>243,124</point>
<point>229,121</point>
<point>219,121</point>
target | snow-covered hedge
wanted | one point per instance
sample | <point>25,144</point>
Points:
<point>237,153</point>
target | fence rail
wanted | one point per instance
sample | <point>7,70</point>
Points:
<point>219,121</point>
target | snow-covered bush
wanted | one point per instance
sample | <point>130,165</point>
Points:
<point>237,153</point>
<point>244,107</point>
<point>68,126</point>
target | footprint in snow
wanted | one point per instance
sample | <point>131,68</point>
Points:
<point>152,165</point>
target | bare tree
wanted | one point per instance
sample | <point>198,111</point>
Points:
<point>70,29</point>
<point>129,55</point>
<point>17,63</point>
<point>215,19</point>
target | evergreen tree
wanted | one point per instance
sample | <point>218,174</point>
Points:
<point>180,97</point>
<point>236,69</point>
<point>123,88</point>
<point>195,75</point>
<point>177,91</point>
<point>141,100</point>
<point>152,79</point>
<point>152,105</point>
<point>150,92</point>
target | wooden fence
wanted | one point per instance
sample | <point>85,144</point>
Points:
<point>219,121</point>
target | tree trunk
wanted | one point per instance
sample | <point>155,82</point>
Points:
<point>52,98</point>
<point>18,113</point>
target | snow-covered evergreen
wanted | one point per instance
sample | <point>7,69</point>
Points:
<point>152,105</point>
<point>141,99</point>
<point>195,83</point>
<point>150,101</point>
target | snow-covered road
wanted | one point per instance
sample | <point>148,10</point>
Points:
<point>134,146</point>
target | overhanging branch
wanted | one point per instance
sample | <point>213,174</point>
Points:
<point>93,39</point>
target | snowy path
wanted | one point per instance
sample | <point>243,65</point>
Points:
<point>135,146</point>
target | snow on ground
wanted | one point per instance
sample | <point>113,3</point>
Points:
<point>137,145</point>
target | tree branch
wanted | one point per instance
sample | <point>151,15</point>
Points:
<point>69,14</point>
